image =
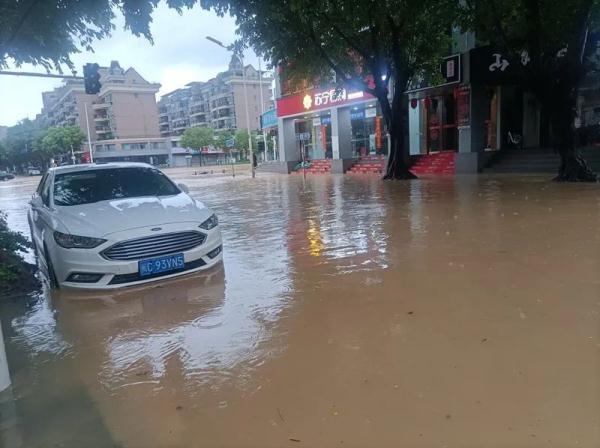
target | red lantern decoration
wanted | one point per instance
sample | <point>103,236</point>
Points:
<point>427,102</point>
<point>414,103</point>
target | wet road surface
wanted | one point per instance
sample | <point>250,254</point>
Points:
<point>456,312</point>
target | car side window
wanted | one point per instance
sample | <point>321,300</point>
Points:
<point>45,193</point>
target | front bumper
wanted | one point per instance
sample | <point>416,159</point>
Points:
<point>120,273</point>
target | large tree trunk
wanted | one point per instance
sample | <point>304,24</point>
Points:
<point>397,123</point>
<point>562,103</point>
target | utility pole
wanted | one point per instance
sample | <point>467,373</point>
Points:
<point>241,56</point>
<point>87,123</point>
<point>262,103</point>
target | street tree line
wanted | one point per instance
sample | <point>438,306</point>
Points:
<point>379,46</point>
<point>26,144</point>
<point>202,137</point>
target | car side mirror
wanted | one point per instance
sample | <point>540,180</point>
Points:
<point>184,188</point>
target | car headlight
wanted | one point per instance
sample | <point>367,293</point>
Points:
<point>210,223</point>
<point>76,242</point>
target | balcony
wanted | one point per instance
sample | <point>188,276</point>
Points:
<point>100,118</point>
<point>102,105</point>
<point>200,109</point>
<point>103,130</point>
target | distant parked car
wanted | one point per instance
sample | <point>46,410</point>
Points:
<point>4,175</point>
<point>34,172</point>
<point>119,224</point>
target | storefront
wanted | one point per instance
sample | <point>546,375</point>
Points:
<point>268,126</point>
<point>480,110</point>
<point>337,124</point>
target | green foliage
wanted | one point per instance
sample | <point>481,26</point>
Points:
<point>543,28</point>
<point>11,242</point>
<point>241,140</point>
<point>47,32</point>
<point>23,143</point>
<point>60,140</point>
<point>15,275</point>
<point>352,39</point>
<point>222,137</point>
<point>26,143</point>
<point>197,138</point>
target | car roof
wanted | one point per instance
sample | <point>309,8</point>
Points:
<point>97,166</point>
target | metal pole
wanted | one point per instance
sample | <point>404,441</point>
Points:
<point>247,115</point>
<point>4,376</point>
<point>39,75</point>
<point>262,103</point>
<point>87,123</point>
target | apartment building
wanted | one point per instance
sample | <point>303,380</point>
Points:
<point>121,118</point>
<point>218,103</point>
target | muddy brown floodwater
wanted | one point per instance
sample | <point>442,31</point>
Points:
<point>458,312</point>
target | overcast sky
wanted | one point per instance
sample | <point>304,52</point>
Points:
<point>180,54</point>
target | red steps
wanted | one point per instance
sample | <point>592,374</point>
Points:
<point>368,165</point>
<point>317,166</point>
<point>437,163</point>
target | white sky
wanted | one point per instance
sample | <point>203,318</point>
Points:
<point>180,54</point>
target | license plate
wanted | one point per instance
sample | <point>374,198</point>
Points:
<point>161,264</point>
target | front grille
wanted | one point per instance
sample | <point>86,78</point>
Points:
<point>135,276</point>
<point>154,246</point>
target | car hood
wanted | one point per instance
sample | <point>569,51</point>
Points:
<point>100,219</point>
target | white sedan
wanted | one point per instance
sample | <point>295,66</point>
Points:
<point>119,224</point>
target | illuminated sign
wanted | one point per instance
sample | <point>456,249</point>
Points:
<point>307,102</point>
<point>318,99</point>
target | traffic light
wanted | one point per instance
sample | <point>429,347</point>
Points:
<point>91,78</point>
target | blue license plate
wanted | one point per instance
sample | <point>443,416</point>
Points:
<point>161,264</point>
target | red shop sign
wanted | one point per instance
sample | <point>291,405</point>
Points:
<point>463,106</point>
<point>318,99</point>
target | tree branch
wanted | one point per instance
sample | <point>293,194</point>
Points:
<point>345,77</point>
<point>20,23</point>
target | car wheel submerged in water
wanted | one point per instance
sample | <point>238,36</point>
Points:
<point>119,224</point>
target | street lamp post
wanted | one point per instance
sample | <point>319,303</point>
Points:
<point>240,54</point>
<point>262,103</point>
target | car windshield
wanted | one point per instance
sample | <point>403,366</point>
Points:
<point>85,187</point>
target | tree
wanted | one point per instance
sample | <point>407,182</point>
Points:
<point>48,32</point>
<point>60,140</point>
<point>372,45</point>
<point>242,142</point>
<point>23,142</point>
<point>197,138</point>
<point>4,155</point>
<point>553,36</point>
<point>222,139</point>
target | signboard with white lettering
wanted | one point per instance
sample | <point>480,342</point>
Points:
<point>318,99</point>
<point>495,67</point>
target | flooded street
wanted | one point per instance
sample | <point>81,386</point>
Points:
<point>444,312</point>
